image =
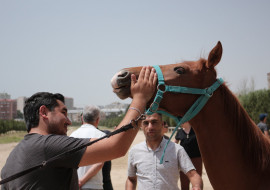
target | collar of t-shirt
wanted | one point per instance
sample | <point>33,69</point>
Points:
<point>88,125</point>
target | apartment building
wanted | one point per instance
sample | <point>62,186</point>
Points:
<point>21,103</point>
<point>8,109</point>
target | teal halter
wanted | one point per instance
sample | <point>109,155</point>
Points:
<point>193,110</point>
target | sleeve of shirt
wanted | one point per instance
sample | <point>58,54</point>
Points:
<point>184,161</point>
<point>57,144</point>
<point>131,166</point>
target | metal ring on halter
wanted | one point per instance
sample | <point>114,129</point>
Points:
<point>209,94</point>
<point>160,85</point>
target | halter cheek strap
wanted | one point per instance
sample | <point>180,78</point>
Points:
<point>193,110</point>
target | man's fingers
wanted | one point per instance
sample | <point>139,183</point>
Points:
<point>153,76</point>
<point>147,73</point>
<point>142,73</point>
<point>133,79</point>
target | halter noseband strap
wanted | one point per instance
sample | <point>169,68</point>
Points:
<point>193,110</point>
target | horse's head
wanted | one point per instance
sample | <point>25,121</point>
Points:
<point>193,74</point>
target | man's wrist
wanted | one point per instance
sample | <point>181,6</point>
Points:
<point>196,187</point>
<point>139,104</point>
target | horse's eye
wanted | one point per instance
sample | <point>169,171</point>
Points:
<point>179,70</point>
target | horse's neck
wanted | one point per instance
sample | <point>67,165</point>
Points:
<point>219,145</point>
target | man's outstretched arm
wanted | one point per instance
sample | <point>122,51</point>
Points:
<point>116,146</point>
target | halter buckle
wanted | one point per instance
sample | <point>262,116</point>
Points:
<point>152,109</point>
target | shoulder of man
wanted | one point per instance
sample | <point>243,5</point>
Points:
<point>261,124</point>
<point>175,146</point>
<point>137,146</point>
<point>99,131</point>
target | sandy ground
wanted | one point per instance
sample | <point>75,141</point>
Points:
<point>119,166</point>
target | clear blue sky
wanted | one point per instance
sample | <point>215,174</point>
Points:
<point>75,47</point>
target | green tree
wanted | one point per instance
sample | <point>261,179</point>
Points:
<point>112,120</point>
<point>246,86</point>
<point>19,114</point>
<point>169,120</point>
<point>256,102</point>
<point>11,125</point>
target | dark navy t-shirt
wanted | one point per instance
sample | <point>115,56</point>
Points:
<point>32,151</point>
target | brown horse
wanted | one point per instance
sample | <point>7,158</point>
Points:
<point>235,153</point>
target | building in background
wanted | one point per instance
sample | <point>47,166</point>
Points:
<point>110,111</point>
<point>21,103</point>
<point>115,108</point>
<point>8,109</point>
<point>75,115</point>
<point>69,103</point>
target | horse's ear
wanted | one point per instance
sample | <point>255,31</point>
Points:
<point>214,56</point>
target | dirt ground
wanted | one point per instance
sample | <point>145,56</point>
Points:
<point>119,166</point>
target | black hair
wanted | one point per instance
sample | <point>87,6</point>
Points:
<point>32,105</point>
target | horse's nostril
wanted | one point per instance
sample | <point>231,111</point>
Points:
<point>123,79</point>
<point>124,74</point>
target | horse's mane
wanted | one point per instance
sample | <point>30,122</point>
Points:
<point>256,148</point>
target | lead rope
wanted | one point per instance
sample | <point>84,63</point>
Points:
<point>133,124</point>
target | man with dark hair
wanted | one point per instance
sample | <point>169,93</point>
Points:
<point>144,166</point>
<point>262,125</point>
<point>32,105</point>
<point>47,122</point>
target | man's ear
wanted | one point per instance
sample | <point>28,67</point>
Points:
<point>43,112</point>
<point>97,121</point>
